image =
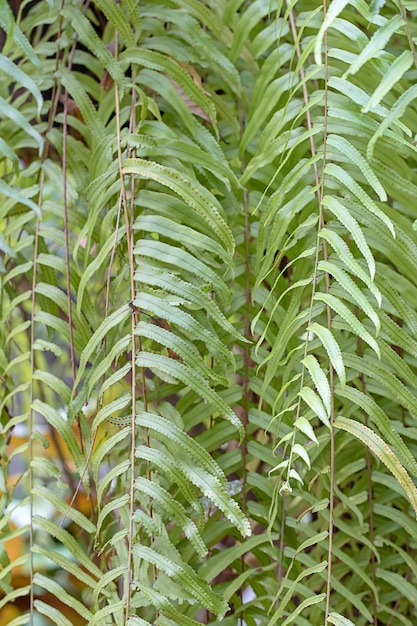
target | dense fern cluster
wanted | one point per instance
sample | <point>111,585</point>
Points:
<point>208,312</point>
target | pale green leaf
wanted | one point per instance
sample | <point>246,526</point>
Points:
<point>60,505</point>
<point>192,379</point>
<point>360,98</point>
<point>383,452</point>
<point>396,111</point>
<point>83,100</point>
<point>315,403</point>
<point>357,327</point>
<point>185,321</point>
<point>403,586</point>
<point>308,571</point>
<point>332,348</point>
<point>67,564</point>
<point>173,509</point>
<point>101,452</point>
<point>61,424</point>
<point>106,481</point>
<point>351,290</point>
<point>9,25</point>
<point>176,473</point>
<point>390,78</point>
<point>90,38</point>
<point>51,613</point>
<point>384,424</point>
<point>17,196</point>
<point>385,377</point>
<point>303,425</point>
<point>311,601</point>
<point>339,620</point>
<point>71,544</point>
<point>108,410</point>
<point>177,258</point>
<point>186,576</point>
<point>342,250</point>
<point>114,319</point>
<point>95,265</point>
<point>164,64</point>
<point>300,451</point>
<point>225,558</point>
<point>173,284</point>
<point>107,578</point>
<point>110,609</point>
<point>189,236</point>
<point>163,605</point>
<point>9,111</point>
<point>319,379</point>
<point>344,177</point>
<point>112,505</point>
<point>378,42</point>
<point>348,150</point>
<point>8,67</point>
<point>54,383</point>
<point>192,192</point>
<point>58,591</point>
<point>184,152</point>
<point>115,16</point>
<point>200,468</point>
<point>180,347</point>
<point>350,223</point>
<point>105,365</point>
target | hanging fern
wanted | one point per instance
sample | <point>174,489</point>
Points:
<point>208,270</point>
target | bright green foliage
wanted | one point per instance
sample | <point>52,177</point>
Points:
<point>208,348</point>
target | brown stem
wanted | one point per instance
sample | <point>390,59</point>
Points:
<point>129,219</point>
<point>407,31</point>
<point>246,358</point>
<point>370,491</point>
<point>52,111</point>
<point>320,192</point>
<point>281,543</point>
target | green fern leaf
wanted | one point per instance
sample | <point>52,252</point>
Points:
<point>383,452</point>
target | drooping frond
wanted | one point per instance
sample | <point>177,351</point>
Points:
<point>208,270</point>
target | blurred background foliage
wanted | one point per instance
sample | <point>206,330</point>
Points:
<point>208,312</point>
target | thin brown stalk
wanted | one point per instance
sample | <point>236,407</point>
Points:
<point>31,415</point>
<point>112,254</point>
<point>320,192</point>
<point>329,325</point>
<point>136,320</point>
<point>281,543</point>
<point>247,361</point>
<point>129,239</point>
<point>52,112</point>
<point>67,263</point>
<point>67,253</point>
<point>408,32</point>
<point>67,268</point>
<point>370,491</point>
<point>61,456</point>
<point>66,229</point>
<point>371,514</point>
<point>318,184</point>
<point>246,356</point>
<point>331,498</point>
<point>79,484</point>
<point>248,336</point>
